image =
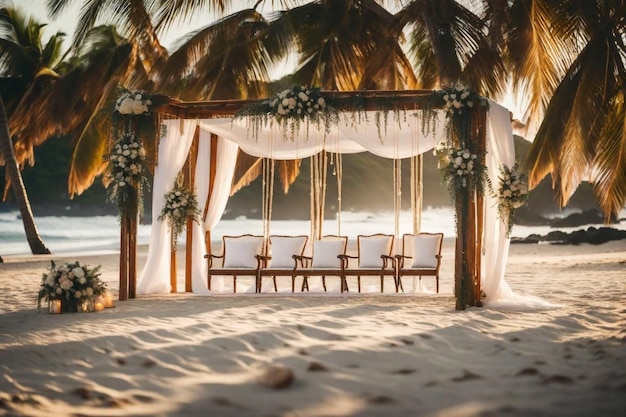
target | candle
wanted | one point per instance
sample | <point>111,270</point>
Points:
<point>108,299</point>
<point>54,307</point>
<point>98,304</point>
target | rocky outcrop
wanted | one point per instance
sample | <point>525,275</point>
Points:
<point>592,235</point>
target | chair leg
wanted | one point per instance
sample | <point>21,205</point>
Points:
<point>293,284</point>
<point>382,283</point>
<point>234,283</point>
<point>275,287</point>
<point>209,282</point>
<point>358,280</point>
<point>324,282</point>
<point>437,280</point>
<point>305,283</point>
<point>400,283</point>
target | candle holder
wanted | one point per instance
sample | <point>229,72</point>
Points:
<point>108,300</point>
<point>85,306</point>
<point>98,304</point>
<point>54,306</point>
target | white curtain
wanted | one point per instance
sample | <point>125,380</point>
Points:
<point>173,150</point>
<point>500,150</point>
<point>227,156</point>
<point>400,139</point>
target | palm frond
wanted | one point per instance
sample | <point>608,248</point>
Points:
<point>609,164</point>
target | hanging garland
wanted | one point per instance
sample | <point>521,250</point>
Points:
<point>180,204</point>
<point>292,109</point>
<point>512,194</point>
<point>132,119</point>
<point>460,159</point>
<point>128,170</point>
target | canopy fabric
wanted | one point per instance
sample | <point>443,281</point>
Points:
<point>402,138</point>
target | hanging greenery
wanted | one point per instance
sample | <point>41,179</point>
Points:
<point>132,123</point>
<point>180,204</point>
<point>292,109</point>
<point>128,171</point>
<point>512,193</point>
<point>462,169</point>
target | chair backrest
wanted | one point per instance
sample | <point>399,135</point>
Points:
<point>371,247</point>
<point>240,251</point>
<point>326,250</point>
<point>423,249</point>
<point>283,248</point>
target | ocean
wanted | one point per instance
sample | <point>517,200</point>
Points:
<point>101,234</point>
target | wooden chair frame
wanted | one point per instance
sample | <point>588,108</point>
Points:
<point>388,264</point>
<point>306,269</point>
<point>266,271</point>
<point>401,270</point>
<point>234,271</point>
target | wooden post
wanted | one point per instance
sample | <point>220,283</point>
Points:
<point>481,122</point>
<point>123,286</point>
<point>212,173</point>
<point>132,256</point>
<point>173,277</point>
<point>190,180</point>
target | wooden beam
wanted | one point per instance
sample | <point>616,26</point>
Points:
<point>190,177</point>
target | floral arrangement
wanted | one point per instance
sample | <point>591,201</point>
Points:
<point>297,102</point>
<point>180,203</point>
<point>290,108</point>
<point>458,99</point>
<point>462,169</point>
<point>133,103</point>
<point>128,168</point>
<point>72,283</point>
<point>512,193</point>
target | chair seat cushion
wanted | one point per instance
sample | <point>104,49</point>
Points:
<point>425,250</point>
<point>241,252</point>
<point>283,249</point>
<point>370,250</point>
<point>325,253</point>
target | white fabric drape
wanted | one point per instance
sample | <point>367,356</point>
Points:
<point>401,139</point>
<point>173,148</point>
<point>500,151</point>
<point>226,154</point>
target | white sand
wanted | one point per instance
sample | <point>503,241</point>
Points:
<point>351,355</point>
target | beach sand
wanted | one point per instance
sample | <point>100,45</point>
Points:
<point>348,355</point>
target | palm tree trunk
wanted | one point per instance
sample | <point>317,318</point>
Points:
<point>37,246</point>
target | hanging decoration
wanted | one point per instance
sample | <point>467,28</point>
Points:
<point>132,124</point>
<point>292,109</point>
<point>512,193</point>
<point>127,171</point>
<point>180,204</point>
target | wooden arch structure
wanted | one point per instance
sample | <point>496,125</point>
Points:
<point>469,205</point>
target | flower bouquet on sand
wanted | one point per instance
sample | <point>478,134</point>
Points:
<point>179,205</point>
<point>71,286</point>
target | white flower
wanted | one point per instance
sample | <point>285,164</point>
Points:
<point>78,272</point>
<point>78,294</point>
<point>82,280</point>
<point>89,291</point>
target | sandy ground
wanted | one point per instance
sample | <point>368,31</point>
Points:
<point>350,355</point>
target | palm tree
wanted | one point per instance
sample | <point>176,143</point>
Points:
<point>582,135</point>
<point>27,66</point>
<point>50,100</point>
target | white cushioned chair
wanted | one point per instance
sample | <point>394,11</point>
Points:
<point>373,259</point>
<point>326,260</point>
<point>238,258</point>
<point>421,256</point>
<point>282,260</point>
